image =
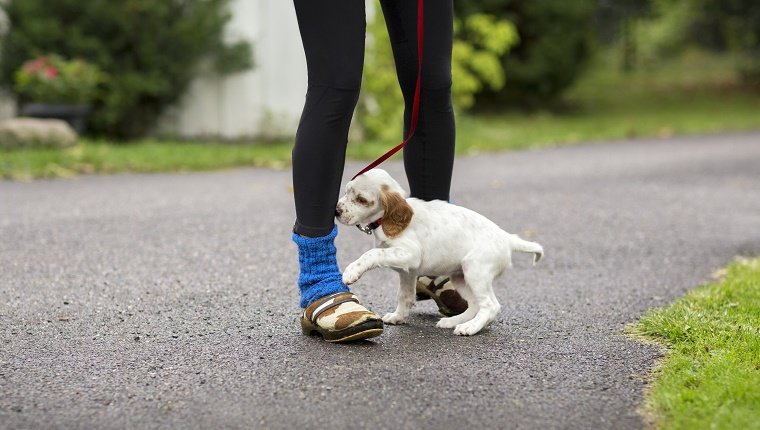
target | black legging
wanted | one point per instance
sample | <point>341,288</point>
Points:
<point>333,34</point>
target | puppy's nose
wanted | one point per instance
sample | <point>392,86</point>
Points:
<point>338,211</point>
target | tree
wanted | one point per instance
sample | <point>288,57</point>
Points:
<point>734,24</point>
<point>556,38</point>
<point>718,25</point>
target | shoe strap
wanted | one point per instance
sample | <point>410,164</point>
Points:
<point>434,286</point>
<point>329,303</point>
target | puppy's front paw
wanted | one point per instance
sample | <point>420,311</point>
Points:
<point>394,318</point>
<point>446,323</point>
<point>351,274</point>
<point>467,329</point>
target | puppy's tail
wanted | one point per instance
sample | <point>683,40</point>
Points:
<point>522,245</point>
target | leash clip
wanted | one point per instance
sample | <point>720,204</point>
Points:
<point>366,229</point>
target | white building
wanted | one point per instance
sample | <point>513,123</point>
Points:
<point>264,101</point>
<point>7,106</point>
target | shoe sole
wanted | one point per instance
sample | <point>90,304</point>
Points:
<point>424,293</point>
<point>361,331</point>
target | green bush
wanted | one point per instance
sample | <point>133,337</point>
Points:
<point>721,25</point>
<point>665,32</point>
<point>737,24</point>
<point>556,39</point>
<point>148,49</point>
<point>479,40</point>
<point>479,43</point>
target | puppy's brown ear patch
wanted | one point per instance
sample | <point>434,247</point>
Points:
<point>398,214</point>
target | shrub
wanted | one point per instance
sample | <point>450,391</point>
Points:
<point>737,24</point>
<point>719,25</point>
<point>479,40</point>
<point>149,50</point>
<point>556,41</point>
<point>665,32</point>
<point>51,79</point>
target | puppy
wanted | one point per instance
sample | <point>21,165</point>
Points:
<point>415,238</point>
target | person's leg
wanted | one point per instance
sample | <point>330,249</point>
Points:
<point>332,32</point>
<point>429,155</point>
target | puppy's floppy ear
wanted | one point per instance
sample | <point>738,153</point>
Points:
<point>398,214</point>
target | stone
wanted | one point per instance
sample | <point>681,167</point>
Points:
<point>36,133</point>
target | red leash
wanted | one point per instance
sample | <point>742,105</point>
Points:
<point>416,102</point>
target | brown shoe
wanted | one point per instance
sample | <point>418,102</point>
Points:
<point>340,317</point>
<point>441,290</point>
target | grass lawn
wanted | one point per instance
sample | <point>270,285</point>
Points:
<point>710,378</point>
<point>694,94</point>
<point>144,156</point>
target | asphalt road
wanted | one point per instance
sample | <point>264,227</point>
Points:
<point>169,301</point>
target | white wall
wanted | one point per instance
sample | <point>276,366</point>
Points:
<point>266,100</point>
<point>7,104</point>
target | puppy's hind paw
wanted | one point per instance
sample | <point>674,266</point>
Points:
<point>393,318</point>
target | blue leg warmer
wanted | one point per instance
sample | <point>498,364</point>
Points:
<point>319,275</point>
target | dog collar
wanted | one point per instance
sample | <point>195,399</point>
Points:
<point>369,228</point>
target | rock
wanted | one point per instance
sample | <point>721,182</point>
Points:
<point>36,133</point>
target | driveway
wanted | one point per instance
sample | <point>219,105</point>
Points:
<point>169,300</point>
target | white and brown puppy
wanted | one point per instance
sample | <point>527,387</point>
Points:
<point>435,238</point>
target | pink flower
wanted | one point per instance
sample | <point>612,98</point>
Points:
<point>51,72</point>
<point>36,65</point>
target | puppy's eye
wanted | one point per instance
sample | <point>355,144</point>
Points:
<point>361,200</point>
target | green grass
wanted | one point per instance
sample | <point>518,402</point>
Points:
<point>710,378</point>
<point>694,94</point>
<point>143,156</point>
